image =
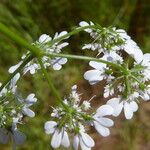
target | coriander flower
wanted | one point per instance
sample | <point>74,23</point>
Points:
<point>129,106</point>
<point>97,74</point>
<point>11,87</point>
<point>73,116</point>
<point>82,138</point>
<point>28,102</point>
<point>60,136</point>
<point>100,122</point>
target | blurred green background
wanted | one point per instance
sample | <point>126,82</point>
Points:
<point>30,19</point>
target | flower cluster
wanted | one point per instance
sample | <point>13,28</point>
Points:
<point>44,44</point>
<point>75,116</point>
<point>12,110</point>
<point>131,80</point>
<point>111,42</point>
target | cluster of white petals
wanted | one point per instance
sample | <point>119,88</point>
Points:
<point>111,42</point>
<point>12,110</point>
<point>132,82</point>
<point>43,43</point>
<point>73,117</point>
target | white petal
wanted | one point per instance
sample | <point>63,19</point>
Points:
<point>32,70</point>
<point>128,111</point>
<point>101,130</point>
<point>83,146</point>
<point>60,46</point>
<point>97,65</point>
<point>133,106</point>
<point>83,24</point>
<point>44,38</point>
<point>28,112</point>
<point>62,61</point>
<point>14,80</point>
<point>76,142</point>
<point>13,68</point>
<point>31,98</point>
<point>88,141</point>
<point>50,127</point>
<point>57,66</point>
<point>147,57</point>
<point>19,137</point>
<point>146,60</point>
<point>56,139</point>
<point>104,110</point>
<point>105,122</point>
<point>62,33</point>
<point>132,49</point>
<point>93,76</point>
<point>65,140</point>
<point>87,46</point>
<point>116,105</point>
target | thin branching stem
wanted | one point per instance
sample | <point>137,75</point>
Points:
<point>39,53</point>
<point>50,83</point>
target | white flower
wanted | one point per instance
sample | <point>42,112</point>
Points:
<point>123,34</point>
<point>31,67</point>
<point>60,136</point>
<point>100,122</point>
<point>133,50</point>
<point>108,40</point>
<point>112,57</point>
<point>44,38</point>
<point>108,91</point>
<point>146,67</point>
<point>129,107</point>
<point>93,46</point>
<point>85,141</point>
<point>58,62</point>
<point>43,43</point>
<point>29,101</point>
<point>97,74</point>
<point>74,94</point>
<point>146,60</point>
<point>13,83</point>
<point>84,23</point>
<point>86,105</point>
<point>146,93</point>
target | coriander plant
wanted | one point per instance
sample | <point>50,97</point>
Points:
<point>119,61</point>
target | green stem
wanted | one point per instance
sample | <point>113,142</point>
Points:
<point>27,59</point>
<point>39,52</point>
<point>49,80</point>
<point>35,50</point>
<point>86,58</point>
<point>128,87</point>
<point>136,79</point>
<point>75,31</point>
<point>19,40</point>
<point>142,85</point>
